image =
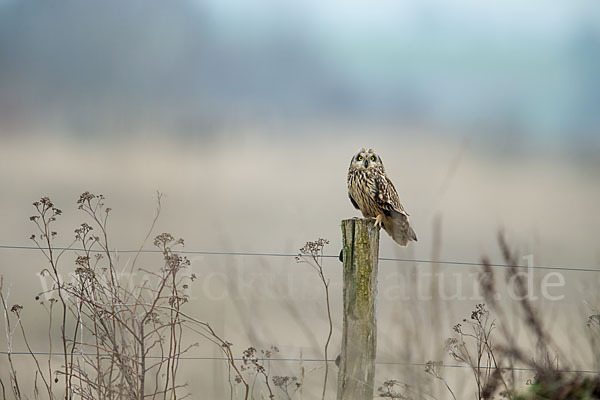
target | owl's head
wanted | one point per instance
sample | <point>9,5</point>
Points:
<point>366,159</point>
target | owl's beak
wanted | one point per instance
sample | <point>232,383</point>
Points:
<point>366,163</point>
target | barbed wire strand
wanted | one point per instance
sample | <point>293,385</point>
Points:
<point>263,254</point>
<point>297,359</point>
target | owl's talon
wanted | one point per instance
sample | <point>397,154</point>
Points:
<point>379,221</point>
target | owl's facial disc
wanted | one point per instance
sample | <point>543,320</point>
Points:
<point>361,160</point>
<point>365,159</point>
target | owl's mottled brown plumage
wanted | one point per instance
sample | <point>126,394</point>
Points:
<point>371,192</point>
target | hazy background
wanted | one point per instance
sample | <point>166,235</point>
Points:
<point>246,115</point>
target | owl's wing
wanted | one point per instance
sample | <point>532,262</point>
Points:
<point>395,221</point>
<point>386,196</point>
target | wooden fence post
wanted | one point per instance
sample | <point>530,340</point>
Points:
<point>359,337</point>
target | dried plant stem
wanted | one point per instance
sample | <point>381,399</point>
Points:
<point>329,319</point>
<point>128,323</point>
<point>14,382</point>
<point>314,250</point>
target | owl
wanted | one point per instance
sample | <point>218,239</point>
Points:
<point>372,192</point>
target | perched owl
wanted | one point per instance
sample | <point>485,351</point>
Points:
<point>371,192</point>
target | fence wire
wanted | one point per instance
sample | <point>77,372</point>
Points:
<point>298,359</point>
<point>288,255</point>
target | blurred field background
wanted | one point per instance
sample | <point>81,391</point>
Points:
<point>246,116</point>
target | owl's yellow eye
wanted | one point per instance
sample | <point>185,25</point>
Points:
<point>360,158</point>
<point>372,158</point>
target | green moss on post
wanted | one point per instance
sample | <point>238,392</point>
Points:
<point>359,337</point>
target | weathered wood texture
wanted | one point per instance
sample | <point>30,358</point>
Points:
<point>359,337</point>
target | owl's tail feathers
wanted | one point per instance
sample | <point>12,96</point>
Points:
<point>398,227</point>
